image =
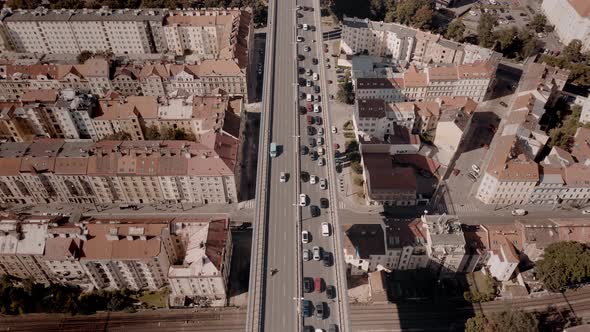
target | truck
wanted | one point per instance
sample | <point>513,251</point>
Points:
<point>273,149</point>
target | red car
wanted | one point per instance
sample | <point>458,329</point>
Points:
<point>309,120</point>
<point>309,109</point>
<point>317,284</point>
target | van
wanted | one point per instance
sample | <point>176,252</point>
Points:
<point>325,229</point>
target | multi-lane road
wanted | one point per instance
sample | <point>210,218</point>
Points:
<point>276,296</point>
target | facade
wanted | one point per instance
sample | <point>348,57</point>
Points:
<point>49,171</point>
<point>436,81</point>
<point>405,44</point>
<point>204,272</point>
<point>571,19</point>
<point>208,33</point>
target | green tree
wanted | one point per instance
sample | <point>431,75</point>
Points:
<point>538,23</point>
<point>506,38</point>
<point>573,51</point>
<point>530,45</point>
<point>423,18</point>
<point>564,264</point>
<point>118,136</point>
<point>485,28</point>
<point>456,31</point>
<point>406,10</point>
<point>513,320</point>
<point>345,93</point>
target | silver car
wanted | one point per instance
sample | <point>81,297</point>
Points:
<point>323,184</point>
<point>321,162</point>
<point>317,254</point>
<point>306,255</point>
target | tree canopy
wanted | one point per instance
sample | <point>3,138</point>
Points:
<point>485,28</point>
<point>564,264</point>
<point>503,321</point>
<point>455,31</point>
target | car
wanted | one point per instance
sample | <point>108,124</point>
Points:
<point>283,177</point>
<point>305,27</point>
<point>316,108</point>
<point>306,306</point>
<point>314,155</point>
<point>309,97</point>
<point>325,229</point>
<point>327,259</point>
<point>300,39</point>
<point>334,130</point>
<point>307,49</point>
<point>321,131</point>
<point>323,184</point>
<point>321,151</point>
<point>308,72</point>
<point>332,328</point>
<point>324,203</point>
<point>302,199</point>
<point>305,236</point>
<point>310,130</point>
<point>304,176</point>
<point>317,253</point>
<point>316,76</point>
<point>310,120</point>
<point>314,61</point>
<point>311,142</point>
<point>319,310</point>
<point>304,150</point>
<point>299,7</point>
<point>330,292</point>
<point>314,211</point>
<point>307,285</point>
<point>336,146</point>
<point>317,284</point>
<point>308,83</point>
<point>316,89</point>
<point>306,255</point>
<point>519,212</point>
<point>472,177</point>
<point>320,140</point>
<point>313,179</point>
<point>299,25</point>
<point>318,120</point>
<point>475,168</point>
<point>503,104</point>
<point>585,211</point>
<point>321,162</point>
<point>309,107</point>
<point>475,175</point>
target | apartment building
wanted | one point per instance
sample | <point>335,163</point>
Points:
<point>571,19</point>
<point>386,184</point>
<point>435,81</point>
<point>452,126</point>
<point>21,248</point>
<point>206,33</point>
<point>204,271</point>
<point>121,171</point>
<point>405,44</point>
<point>445,245</point>
<point>90,77</point>
<point>512,175</point>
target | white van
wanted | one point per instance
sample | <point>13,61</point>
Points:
<point>325,229</point>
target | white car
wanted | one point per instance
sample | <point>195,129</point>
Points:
<point>321,131</point>
<point>316,76</point>
<point>305,236</point>
<point>305,27</point>
<point>317,254</point>
<point>475,168</point>
<point>312,179</point>
<point>309,97</point>
<point>306,254</point>
<point>585,211</point>
<point>320,140</point>
<point>325,229</point>
<point>519,212</point>
<point>321,162</point>
<point>308,72</point>
<point>307,49</point>
<point>283,177</point>
<point>302,200</point>
<point>316,108</point>
<point>334,130</point>
<point>299,39</point>
<point>323,184</point>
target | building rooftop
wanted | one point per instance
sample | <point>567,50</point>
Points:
<point>371,108</point>
<point>22,238</point>
<point>444,230</point>
<point>582,7</point>
<point>363,240</point>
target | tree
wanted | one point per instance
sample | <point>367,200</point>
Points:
<point>573,51</point>
<point>564,264</point>
<point>407,10</point>
<point>345,93</point>
<point>506,38</point>
<point>83,56</point>
<point>423,18</point>
<point>503,321</point>
<point>486,25</point>
<point>118,136</point>
<point>455,31</point>
<point>530,45</point>
<point>538,23</point>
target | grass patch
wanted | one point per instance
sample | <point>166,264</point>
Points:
<point>158,299</point>
<point>349,135</point>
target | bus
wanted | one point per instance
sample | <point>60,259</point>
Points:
<point>273,149</point>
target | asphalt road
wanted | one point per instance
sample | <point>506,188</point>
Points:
<point>280,308</point>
